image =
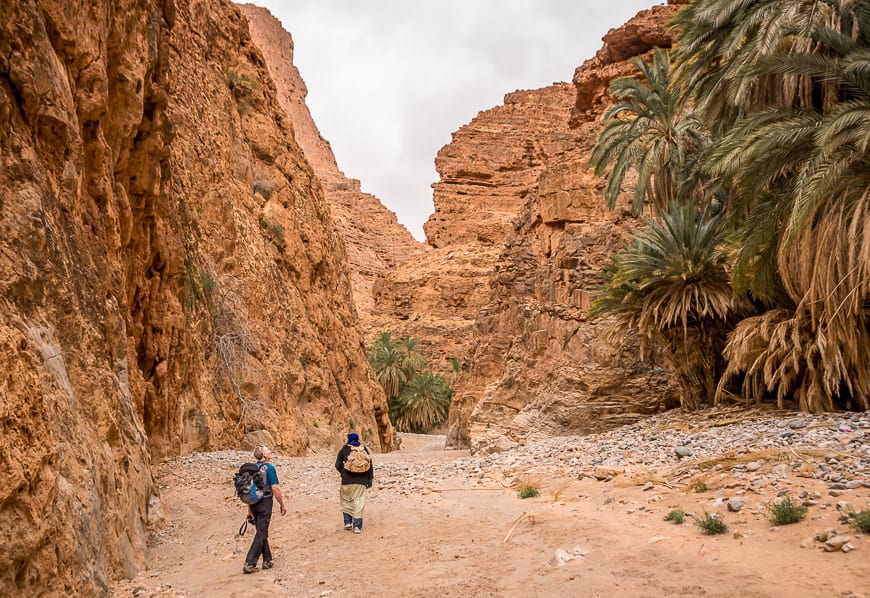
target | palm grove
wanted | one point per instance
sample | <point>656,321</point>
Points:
<point>419,399</point>
<point>749,142</point>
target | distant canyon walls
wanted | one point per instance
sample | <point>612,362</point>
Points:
<point>376,243</point>
<point>485,173</point>
<point>520,233</point>
<point>540,367</point>
<point>170,277</point>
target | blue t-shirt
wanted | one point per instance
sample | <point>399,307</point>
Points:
<point>271,478</point>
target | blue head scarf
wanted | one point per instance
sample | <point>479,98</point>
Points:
<point>353,439</point>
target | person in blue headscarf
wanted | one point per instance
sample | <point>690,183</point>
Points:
<point>354,481</point>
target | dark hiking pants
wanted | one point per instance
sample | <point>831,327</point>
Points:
<point>260,546</point>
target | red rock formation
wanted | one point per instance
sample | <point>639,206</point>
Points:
<point>375,241</point>
<point>170,277</point>
<point>491,163</point>
<point>486,171</point>
<point>540,367</point>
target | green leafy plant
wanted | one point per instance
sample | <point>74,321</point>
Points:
<point>423,403</point>
<point>786,512</point>
<point>711,524</point>
<point>858,520</point>
<point>527,489</point>
<point>700,487</point>
<point>386,359</point>
<point>303,360</point>
<point>418,398</point>
<point>455,364</point>
<point>200,285</point>
<point>671,287</point>
<point>678,516</point>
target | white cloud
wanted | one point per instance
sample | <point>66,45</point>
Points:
<point>390,80</point>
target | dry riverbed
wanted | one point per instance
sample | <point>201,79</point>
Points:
<point>444,523</point>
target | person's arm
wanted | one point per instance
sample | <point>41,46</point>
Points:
<point>276,492</point>
<point>339,460</point>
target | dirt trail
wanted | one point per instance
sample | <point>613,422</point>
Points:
<point>450,538</point>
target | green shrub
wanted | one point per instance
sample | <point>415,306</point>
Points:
<point>785,512</point>
<point>700,487</point>
<point>858,520</point>
<point>677,516</point>
<point>712,524</point>
<point>528,490</point>
<point>200,285</point>
<point>304,361</point>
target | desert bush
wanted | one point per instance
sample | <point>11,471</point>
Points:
<point>677,516</point>
<point>200,286</point>
<point>711,524</point>
<point>700,487</point>
<point>785,512</point>
<point>858,520</point>
<point>527,489</point>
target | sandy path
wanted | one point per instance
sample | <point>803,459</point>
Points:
<point>448,539</point>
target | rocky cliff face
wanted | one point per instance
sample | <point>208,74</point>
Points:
<point>485,174</point>
<point>540,367</point>
<point>376,242</point>
<point>170,278</point>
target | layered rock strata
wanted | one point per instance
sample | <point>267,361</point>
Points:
<point>485,173</point>
<point>540,366</point>
<point>376,242</point>
<point>170,277</point>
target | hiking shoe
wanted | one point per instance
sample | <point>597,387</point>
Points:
<point>268,564</point>
<point>347,526</point>
<point>357,530</point>
<point>249,568</point>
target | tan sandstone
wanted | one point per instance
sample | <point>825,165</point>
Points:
<point>540,366</point>
<point>485,173</point>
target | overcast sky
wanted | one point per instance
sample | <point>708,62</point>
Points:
<point>390,80</point>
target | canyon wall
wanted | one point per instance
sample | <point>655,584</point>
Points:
<point>170,277</point>
<point>539,365</point>
<point>376,242</point>
<point>485,174</point>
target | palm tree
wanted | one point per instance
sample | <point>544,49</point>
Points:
<point>649,131</point>
<point>671,286</point>
<point>719,44</point>
<point>787,86</point>
<point>412,360</point>
<point>386,358</point>
<point>423,403</point>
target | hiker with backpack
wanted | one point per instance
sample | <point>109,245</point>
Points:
<point>354,463</point>
<point>263,487</point>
